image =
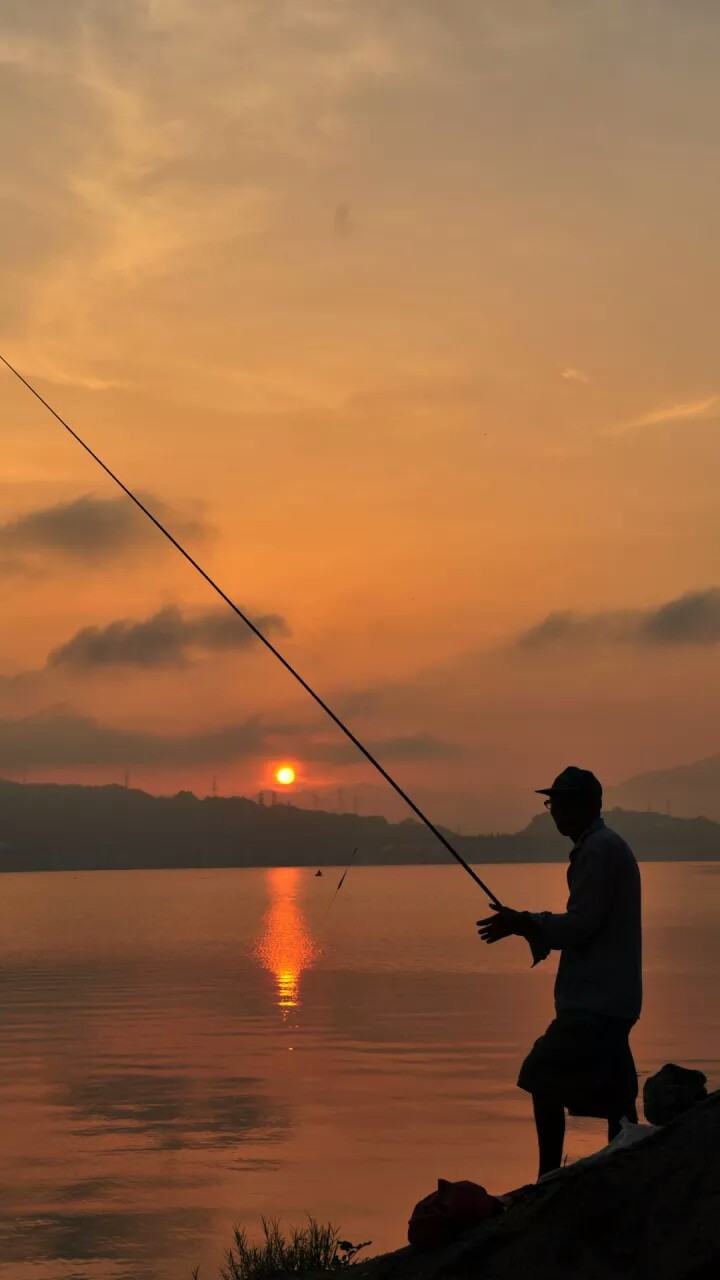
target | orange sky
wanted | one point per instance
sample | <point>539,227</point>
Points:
<point>406,315</point>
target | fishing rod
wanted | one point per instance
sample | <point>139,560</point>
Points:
<point>264,640</point>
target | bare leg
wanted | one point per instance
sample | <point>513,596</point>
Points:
<point>550,1125</point>
<point>614,1121</point>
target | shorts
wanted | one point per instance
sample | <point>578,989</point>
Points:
<point>584,1062</point>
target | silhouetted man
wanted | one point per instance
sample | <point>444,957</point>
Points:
<point>583,1062</point>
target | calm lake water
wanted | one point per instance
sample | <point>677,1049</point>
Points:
<point>185,1050</point>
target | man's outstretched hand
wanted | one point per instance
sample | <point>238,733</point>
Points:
<point>504,924</point>
<point>507,922</point>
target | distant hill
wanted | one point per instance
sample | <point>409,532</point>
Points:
<point>55,827</point>
<point>686,791</point>
<point>460,810</point>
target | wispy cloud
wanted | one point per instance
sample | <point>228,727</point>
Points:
<point>685,411</point>
<point>89,529</point>
<point>121,202</point>
<point>412,746</point>
<point>690,619</point>
<point>62,738</point>
<point>165,640</point>
<point>14,567</point>
<point>41,368</point>
<point>575,375</point>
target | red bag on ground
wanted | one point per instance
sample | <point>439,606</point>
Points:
<point>447,1212</point>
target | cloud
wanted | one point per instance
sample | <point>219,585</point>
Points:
<point>416,746</point>
<point>59,738</point>
<point>89,529</point>
<point>166,639</point>
<point>122,193</point>
<point>565,627</point>
<point>575,375</point>
<point>690,619</point>
<point>672,413</point>
<point>42,368</point>
<point>14,567</point>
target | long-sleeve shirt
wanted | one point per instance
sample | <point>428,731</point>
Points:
<point>599,936</point>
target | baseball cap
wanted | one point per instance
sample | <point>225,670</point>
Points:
<point>573,782</point>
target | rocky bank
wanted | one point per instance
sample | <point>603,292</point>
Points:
<point>652,1211</point>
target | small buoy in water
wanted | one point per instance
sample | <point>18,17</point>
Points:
<point>318,873</point>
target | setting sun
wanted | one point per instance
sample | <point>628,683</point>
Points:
<point>285,775</point>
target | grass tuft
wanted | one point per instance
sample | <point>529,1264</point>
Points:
<point>316,1247</point>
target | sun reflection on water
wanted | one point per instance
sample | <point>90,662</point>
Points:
<point>286,947</point>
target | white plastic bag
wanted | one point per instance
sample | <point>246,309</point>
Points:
<point>629,1135</point>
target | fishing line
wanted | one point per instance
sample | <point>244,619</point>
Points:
<point>264,640</point>
<point>324,917</point>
